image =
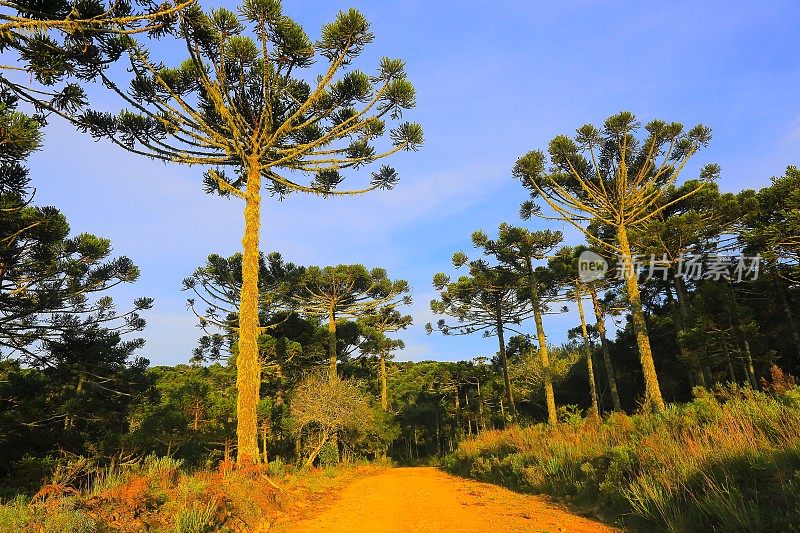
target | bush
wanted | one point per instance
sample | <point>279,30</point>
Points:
<point>329,455</point>
<point>196,519</point>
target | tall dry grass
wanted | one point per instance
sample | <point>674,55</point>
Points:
<point>728,461</point>
<point>159,494</point>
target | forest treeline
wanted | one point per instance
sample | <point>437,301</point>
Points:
<point>296,363</point>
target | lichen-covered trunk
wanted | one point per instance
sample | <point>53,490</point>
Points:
<point>384,385</point>
<point>265,434</point>
<point>332,376</point>
<point>594,410</point>
<point>751,371</point>
<point>332,373</point>
<point>248,365</point>
<point>504,363</point>
<point>652,390</point>
<point>457,406</point>
<point>544,358</point>
<point>601,329</point>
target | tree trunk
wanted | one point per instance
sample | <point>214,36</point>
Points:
<point>265,430</point>
<point>652,390</point>
<point>332,376</point>
<point>438,440</point>
<point>729,362</point>
<point>196,421</point>
<point>457,406</point>
<point>469,418</point>
<point>482,421</point>
<point>549,395</point>
<point>332,373</point>
<point>248,366</point>
<point>504,363</point>
<point>751,371</point>
<point>595,408</point>
<point>601,328</point>
<point>315,452</point>
<point>384,386</point>
<point>736,324</point>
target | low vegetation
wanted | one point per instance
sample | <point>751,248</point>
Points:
<point>160,494</point>
<point>727,461</point>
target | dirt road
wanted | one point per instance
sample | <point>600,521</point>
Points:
<point>426,500</point>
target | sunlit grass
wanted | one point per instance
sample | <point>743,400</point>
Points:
<point>729,462</point>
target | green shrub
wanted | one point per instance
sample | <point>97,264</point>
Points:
<point>15,514</point>
<point>165,468</point>
<point>329,455</point>
<point>68,518</point>
<point>196,519</point>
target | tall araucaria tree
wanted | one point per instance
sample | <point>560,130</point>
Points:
<point>487,300</point>
<point>376,325</point>
<point>240,101</point>
<point>700,224</point>
<point>772,229</point>
<point>346,291</point>
<point>612,178</point>
<point>517,249</point>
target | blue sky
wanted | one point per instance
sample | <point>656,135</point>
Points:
<point>493,81</point>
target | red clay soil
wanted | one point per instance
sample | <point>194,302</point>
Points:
<point>427,500</point>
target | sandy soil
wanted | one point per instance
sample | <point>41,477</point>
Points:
<point>427,500</point>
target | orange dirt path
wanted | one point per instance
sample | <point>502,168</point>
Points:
<point>427,500</point>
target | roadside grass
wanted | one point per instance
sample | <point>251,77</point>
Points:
<point>727,461</point>
<point>159,494</point>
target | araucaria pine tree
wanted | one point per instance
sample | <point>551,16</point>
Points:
<point>608,177</point>
<point>217,288</point>
<point>518,249</point>
<point>488,301</point>
<point>564,266</point>
<point>50,49</point>
<point>346,291</point>
<point>240,101</point>
<point>376,325</point>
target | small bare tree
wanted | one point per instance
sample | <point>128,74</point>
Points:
<point>322,408</point>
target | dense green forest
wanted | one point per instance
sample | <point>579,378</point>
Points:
<point>302,364</point>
